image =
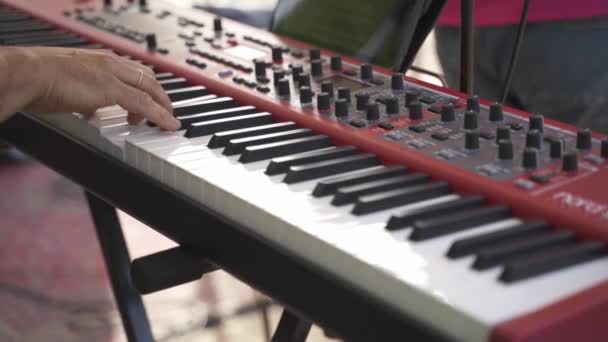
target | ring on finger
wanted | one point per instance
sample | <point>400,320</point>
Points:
<point>139,78</point>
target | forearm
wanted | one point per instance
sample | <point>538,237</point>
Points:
<point>19,68</point>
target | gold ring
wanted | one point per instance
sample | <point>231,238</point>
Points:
<point>140,78</point>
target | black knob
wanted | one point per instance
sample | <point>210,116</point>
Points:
<point>328,87</point>
<point>344,93</point>
<point>530,158</point>
<point>470,120</point>
<point>217,24</point>
<point>335,63</point>
<point>392,105</point>
<point>143,3</point>
<point>410,96</point>
<point>415,109</point>
<point>604,151</point>
<point>314,54</point>
<point>341,108</point>
<point>316,68</point>
<point>151,41</point>
<point>397,81</point>
<point>305,95</point>
<point>372,111</point>
<point>296,70</point>
<point>283,88</point>
<point>471,140</point>
<point>278,75</point>
<point>534,139</point>
<point>536,122</point>
<point>505,150</point>
<point>473,103</point>
<point>107,3</point>
<point>323,101</point>
<point>366,71</point>
<point>570,162</point>
<point>496,113</point>
<point>277,54</point>
<point>362,99</point>
<point>583,139</point>
<point>304,79</point>
<point>556,149</point>
<point>503,133</point>
<point>260,67</point>
<point>447,113</point>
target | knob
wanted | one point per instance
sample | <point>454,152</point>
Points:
<point>217,24</point>
<point>366,71</point>
<point>316,68</point>
<point>534,139</point>
<point>361,99</point>
<point>283,88</point>
<point>344,93</point>
<point>503,133</point>
<point>260,67</point>
<point>314,54</point>
<point>604,151</point>
<point>447,113</point>
<point>278,75</point>
<point>151,41</point>
<point>505,150</point>
<point>415,110</point>
<point>536,122</point>
<point>530,158</point>
<point>471,140</point>
<point>397,81</point>
<point>335,63</point>
<point>372,112</point>
<point>583,139</point>
<point>496,113</point>
<point>305,95</point>
<point>473,103</point>
<point>392,105</point>
<point>328,87</point>
<point>304,79</point>
<point>341,108</point>
<point>570,162</point>
<point>277,54</point>
<point>556,149</point>
<point>410,96</point>
<point>323,101</point>
<point>296,70</point>
<point>470,120</point>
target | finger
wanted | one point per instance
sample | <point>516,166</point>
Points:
<point>136,65</point>
<point>139,102</point>
<point>134,119</point>
<point>148,84</point>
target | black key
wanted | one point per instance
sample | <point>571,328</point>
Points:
<point>37,39</point>
<point>452,223</point>
<point>409,217</point>
<point>496,255</point>
<point>192,101</point>
<point>237,146</point>
<point>4,29</point>
<point>173,83</point>
<point>63,42</point>
<point>164,76</point>
<point>35,34</point>
<point>283,148</point>
<point>349,194</point>
<point>187,120</point>
<point>205,106</point>
<point>220,139</point>
<point>475,243</point>
<point>199,129</point>
<point>282,165</point>
<point>181,94</point>
<point>394,198</point>
<point>330,186</point>
<point>329,167</point>
<point>552,260</point>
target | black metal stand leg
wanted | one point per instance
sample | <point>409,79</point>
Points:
<point>291,328</point>
<point>116,256</point>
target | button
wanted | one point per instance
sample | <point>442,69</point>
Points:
<point>556,148</point>
<point>516,126</point>
<point>386,125</point>
<point>418,144</point>
<point>341,107</point>
<point>362,99</point>
<point>217,24</point>
<point>435,108</point>
<point>594,159</point>
<point>357,123</point>
<point>447,154</point>
<point>225,73</point>
<point>417,128</point>
<point>503,133</point>
<point>297,54</point>
<point>366,71</point>
<point>489,170</point>
<point>372,112</point>
<point>473,103</point>
<point>263,89</point>
<point>427,99</point>
<point>447,113</point>
<point>470,120</point>
<point>410,96</point>
<point>536,122</point>
<point>496,113</point>
<point>486,135</point>
<point>163,51</point>
<point>350,72</point>
<point>542,177</point>
<point>151,41</point>
<point>335,63</point>
<point>314,54</point>
<point>583,139</point>
<point>323,101</point>
<point>505,150</point>
<point>441,136</point>
<point>471,140</point>
<point>530,158</point>
<point>392,105</point>
<point>604,151</point>
<point>328,87</point>
<point>277,54</point>
<point>238,80</point>
<point>344,93</point>
<point>534,139</point>
<point>397,81</point>
<point>283,88</point>
<point>415,109</point>
<point>316,68</point>
<point>377,81</point>
<point>570,162</point>
<point>524,184</point>
<point>263,79</point>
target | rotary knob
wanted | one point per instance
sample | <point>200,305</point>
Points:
<point>536,122</point>
<point>341,107</point>
<point>530,158</point>
<point>151,41</point>
<point>366,71</point>
<point>604,150</point>
<point>361,100</point>
<point>314,54</point>
<point>277,54</point>
<point>335,63</point>
<point>471,140</point>
<point>283,88</point>
<point>372,112</point>
<point>534,139</point>
<point>447,113</point>
<point>496,113</point>
<point>392,105</point>
<point>570,162</point>
<point>323,101</point>
<point>583,139</point>
<point>217,24</point>
<point>316,68</point>
<point>503,133</point>
<point>304,79</point>
<point>410,96</point>
<point>328,87</point>
<point>505,150</point>
<point>473,103</point>
<point>277,75</point>
<point>556,149</point>
<point>415,109</point>
<point>305,95</point>
<point>344,93</point>
<point>397,81</point>
<point>470,120</point>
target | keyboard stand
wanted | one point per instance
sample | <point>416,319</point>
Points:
<point>291,328</point>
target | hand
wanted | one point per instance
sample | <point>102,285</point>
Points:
<point>53,80</point>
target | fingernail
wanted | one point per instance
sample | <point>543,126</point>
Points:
<point>175,124</point>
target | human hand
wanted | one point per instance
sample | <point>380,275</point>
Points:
<point>52,80</point>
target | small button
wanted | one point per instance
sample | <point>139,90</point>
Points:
<point>417,128</point>
<point>441,136</point>
<point>542,177</point>
<point>597,160</point>
<point>435,108</point>
<point>250,84</point>
<point>427,99</point>
<point>447,154</point>
<point>238,80</point>
<point>486,135</point>
<point>377,81</point>
<point>163,51</point>
<point>516,126</point>
<point>386,125</point>
<point>350,72</point>
<point>357,123</point>
<point>524,184</point>
<point>297,54</point>
<point>418,144</point>
<point>263,89</point>
<point>225,73</point>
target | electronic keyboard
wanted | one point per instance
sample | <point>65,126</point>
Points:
<point>481,222</point>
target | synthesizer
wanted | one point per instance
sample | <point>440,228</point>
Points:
<point>479,221</point>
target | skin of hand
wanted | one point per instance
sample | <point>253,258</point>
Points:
<point>54,80</point>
